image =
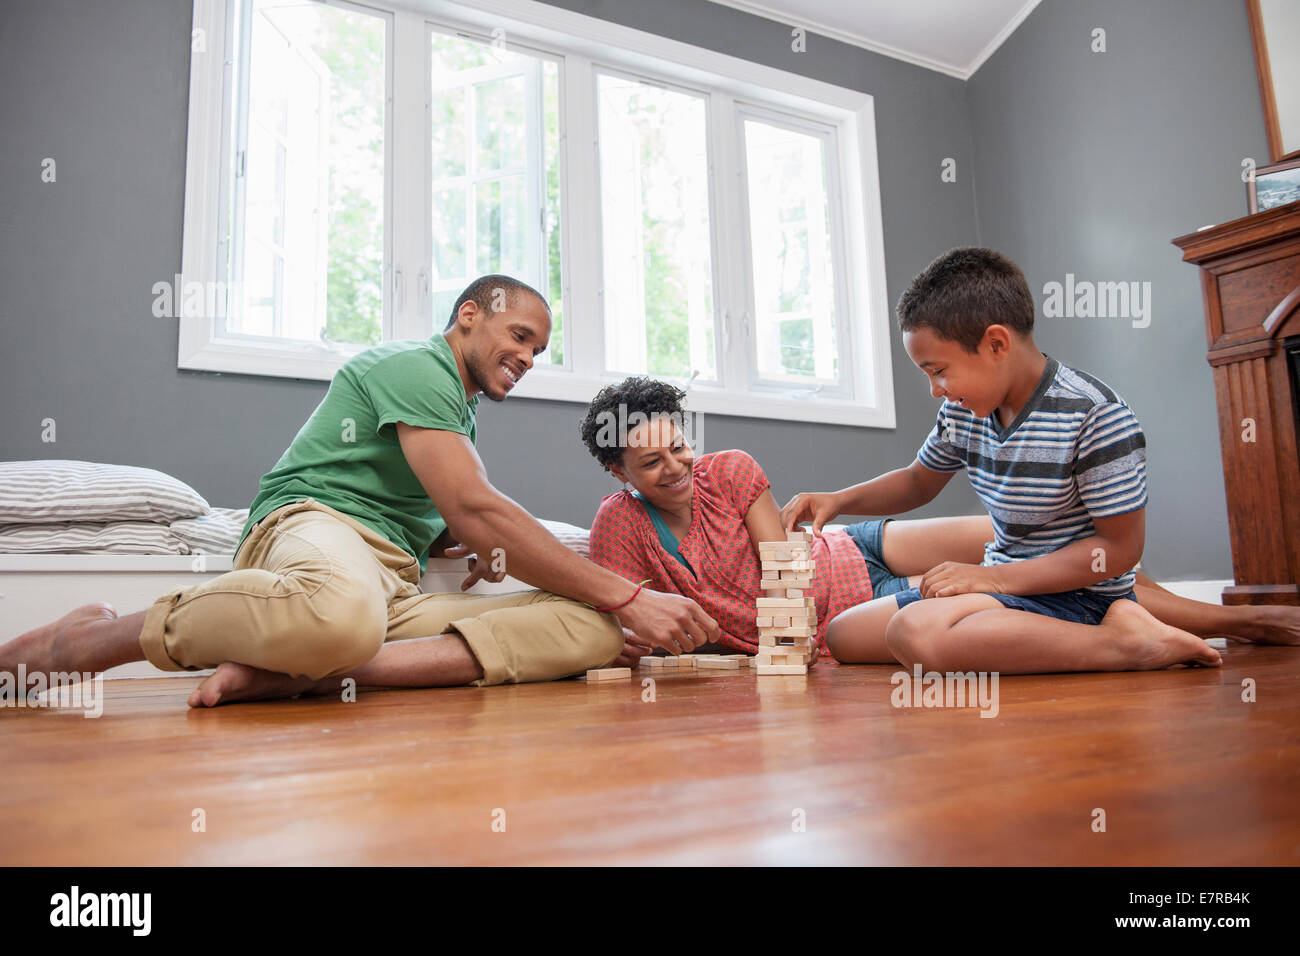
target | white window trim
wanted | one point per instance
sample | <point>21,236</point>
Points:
<point>586,42</point>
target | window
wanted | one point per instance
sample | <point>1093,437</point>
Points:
<point>306,178</point>
<point>495,140</point>
<point>794,256</point>
<point>351,167</point>
<point>654,205</point>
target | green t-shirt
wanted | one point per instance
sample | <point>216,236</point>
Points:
<point>347,455</point>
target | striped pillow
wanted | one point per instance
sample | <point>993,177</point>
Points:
<point>570,535</point>
<point>85,537</point>
<point>36,492</point>
<point>214,533</point>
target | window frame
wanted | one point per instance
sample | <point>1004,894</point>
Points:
<point>578,44</point>
<point>606,373</point>
<point>839,259</point>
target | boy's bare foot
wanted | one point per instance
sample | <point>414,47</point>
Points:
<point>1270,624</point>
<point>234,682</point>
<point>1153,645</point>
<point>59,645</point>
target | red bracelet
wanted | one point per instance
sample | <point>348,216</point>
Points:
<point>625,603</point>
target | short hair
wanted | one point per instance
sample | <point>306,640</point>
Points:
<point>963,292</point>
<point>483,292</point>
<point>641,397</point>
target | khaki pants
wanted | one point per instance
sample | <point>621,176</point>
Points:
<point>315,593</point>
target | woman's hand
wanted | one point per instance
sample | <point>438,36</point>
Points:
<point>818,507</point>
<point>478,570</point>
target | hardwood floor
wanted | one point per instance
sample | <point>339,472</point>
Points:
<point>712,771</point>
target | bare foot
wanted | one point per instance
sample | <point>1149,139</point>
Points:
<point>1153,645</point>
<point>58,646</point>
<point>235,682</point>
<point>1270,624</point>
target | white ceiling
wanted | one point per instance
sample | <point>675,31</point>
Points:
<point>951,36</point>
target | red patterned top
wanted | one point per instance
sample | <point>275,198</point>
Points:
<point>718,547</point>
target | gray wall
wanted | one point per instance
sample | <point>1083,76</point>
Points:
<point>1089,163</point>
<point>102,88</point>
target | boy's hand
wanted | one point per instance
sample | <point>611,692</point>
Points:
<point>818,507</point>
<point>952,577</point>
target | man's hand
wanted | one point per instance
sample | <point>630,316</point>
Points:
<point>633,651</point>
<point>817,507</point>
<point>478,570</point>
<point>670,621</point>
<point>952,577</point>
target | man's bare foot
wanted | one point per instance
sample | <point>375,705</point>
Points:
<point>1152,645</point>
<point>1269,624</point>
<point>235,682</point>
<point>58,646</point>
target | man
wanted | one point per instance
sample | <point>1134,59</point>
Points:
<point>325,582</point>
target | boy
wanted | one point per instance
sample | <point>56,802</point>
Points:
<point>1057,458</point>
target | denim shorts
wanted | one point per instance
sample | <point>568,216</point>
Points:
<point>868,536</point>
<point>1080,607</point>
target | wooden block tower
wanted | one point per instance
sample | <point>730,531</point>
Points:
<point>787,616</point>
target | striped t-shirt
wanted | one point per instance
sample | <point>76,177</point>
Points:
<point>1075,452</point>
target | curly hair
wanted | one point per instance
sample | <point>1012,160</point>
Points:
<point>604,429</point>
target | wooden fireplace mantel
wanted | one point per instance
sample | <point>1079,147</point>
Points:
<point>1250,278</point>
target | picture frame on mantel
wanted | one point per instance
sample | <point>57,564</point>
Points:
<point>1273,186</point>
<point>1275,35</point>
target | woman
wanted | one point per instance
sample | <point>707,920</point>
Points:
<point>691,525</point>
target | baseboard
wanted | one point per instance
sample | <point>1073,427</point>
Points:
<point>1211,592</point>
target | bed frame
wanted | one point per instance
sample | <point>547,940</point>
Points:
<point>38,588</point>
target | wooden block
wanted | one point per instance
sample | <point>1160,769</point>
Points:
<point>797,576</point>
<point>718,664</point>
<point>609,673</point>
<point>785,660</point>
<point>799,535</point>
<point>669,661</point>
<point>650,660</point>
<point>764,621</point>
<point>782,669</point>
<point>801,566</point>
<point>780,622</point>
<point>775,636</point>
<point>685,660</point>
<point>794,592</point>
<point>793,604</point>
<point>788,632</point>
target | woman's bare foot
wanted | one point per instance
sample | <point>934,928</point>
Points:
<point>1152,645</point>
<point>1269,624</point>
<point>234,682</point>
<point>61,645</point>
